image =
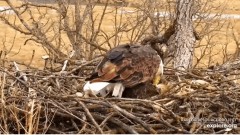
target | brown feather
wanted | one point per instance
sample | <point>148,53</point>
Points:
<point>129,64</point>
<point>106,73</point>
<point>126,73</point>
<point>110,75</point>
<point>107,67</point>
<point>133,79</point>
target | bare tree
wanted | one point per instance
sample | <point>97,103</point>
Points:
<point>80,26</point>
<point>183,38</point>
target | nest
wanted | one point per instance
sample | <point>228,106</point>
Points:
<point>39,101</point>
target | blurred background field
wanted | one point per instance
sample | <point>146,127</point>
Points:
<point>221,39</point>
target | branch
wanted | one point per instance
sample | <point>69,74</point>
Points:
<point>90,116</point>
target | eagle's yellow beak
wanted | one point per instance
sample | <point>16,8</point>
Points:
<point>158,75</point>
<point>156,80</point>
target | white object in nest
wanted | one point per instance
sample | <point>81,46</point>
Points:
<point>200,82</point>
<point>103,88</point>
<point>45,57</point>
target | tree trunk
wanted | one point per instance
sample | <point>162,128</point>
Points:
<point>183,39</point>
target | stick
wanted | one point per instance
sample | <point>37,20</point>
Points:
<point>131,116</point>
<point>21,73</point>
<point>30,124</point>
<point>84,125</point>
<point>119,123</point>
<point>31,59</point>
<point>90,116</point>
<point>66,61</point>
<point>32,95</point>
<point>84,64</point>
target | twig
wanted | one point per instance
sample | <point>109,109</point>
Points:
<point>106,119</point>
<point>21,81</point>
<point>31,59</point>
<point>90,116</point>
<point>84,125</point>
<point>231,99</point>
<point>131,116</point>
<point>21,73</point>
<point>82,65</point>
<point>30,115</point>
<point>66,61</point>
<point>3,102</point>
<point>197,117</point>
<point>119,123</point>
<point>32,95</point>
<point>75,125</point>
<point>173,127</point>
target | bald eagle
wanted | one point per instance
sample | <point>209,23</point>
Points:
<point>126,66</point>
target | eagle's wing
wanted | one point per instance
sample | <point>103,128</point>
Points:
<point>129,64</point>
